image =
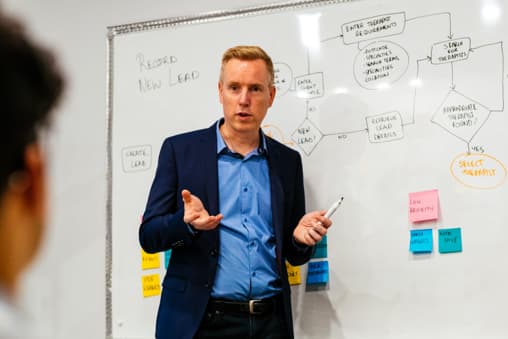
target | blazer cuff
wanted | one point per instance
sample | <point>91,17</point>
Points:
<point>299,246</point>
<point>194,232</point>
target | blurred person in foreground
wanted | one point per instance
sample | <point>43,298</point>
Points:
<point>30,86</point>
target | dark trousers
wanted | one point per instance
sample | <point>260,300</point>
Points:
<point>220,323</point>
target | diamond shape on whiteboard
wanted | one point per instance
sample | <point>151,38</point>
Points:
<point>461,116</point>
<point>307,136</point>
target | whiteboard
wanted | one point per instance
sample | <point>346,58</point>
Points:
<point>382,99</point>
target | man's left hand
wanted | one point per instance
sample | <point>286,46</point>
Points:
<point>311,228</point>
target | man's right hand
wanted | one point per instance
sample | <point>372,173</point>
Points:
<point>196,215</point>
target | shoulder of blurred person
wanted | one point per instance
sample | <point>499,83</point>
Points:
<point>14,322</point>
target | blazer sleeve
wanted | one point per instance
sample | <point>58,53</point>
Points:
<point>295,253</point>
<point>162,227</point>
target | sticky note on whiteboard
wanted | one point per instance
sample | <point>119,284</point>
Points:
<point>167,257</point>
<point>294,276</point>
<point>423,206</point>
<point>450,240</point>
<point>321,249</point>
<point>151,285</point>
<point>149,261</point>
<point>317,273</point>
<point>421,241</point>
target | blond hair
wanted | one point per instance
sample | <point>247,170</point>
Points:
<point>248,53</point>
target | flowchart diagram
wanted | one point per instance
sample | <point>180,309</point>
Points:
<point>439,85</point>
<point>390,101</point>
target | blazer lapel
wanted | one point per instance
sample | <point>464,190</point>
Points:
<point>209,170</point>
<point>277,196</point>
<point>209,173</point>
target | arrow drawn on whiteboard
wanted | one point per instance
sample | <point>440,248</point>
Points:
<point>500,45</point>
<point>308,61</point>
<point>450,35</point>
<point>453,80</point>
<point>332,38</point>
<point>347,132</point>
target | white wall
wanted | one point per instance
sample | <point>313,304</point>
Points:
<point>65,289</point>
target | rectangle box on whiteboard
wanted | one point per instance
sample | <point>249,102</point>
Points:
<point>373,27</point>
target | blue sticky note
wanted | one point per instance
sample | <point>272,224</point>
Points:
<point>167,256</point>
<point>421,241</point>
<point>450,240</point>
<point>317,273</point>
<point>321,249</point>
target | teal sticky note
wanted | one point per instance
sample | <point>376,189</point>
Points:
<point>167,256</point>
<point>450,240</point>
<point>321,249</point>
<point>317,273</point>
<point>421,241</point>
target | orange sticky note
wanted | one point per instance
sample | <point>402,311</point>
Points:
<point>424,206</point>
<point>151,285</point>
<point>149,261</point>
<point>293,274</point>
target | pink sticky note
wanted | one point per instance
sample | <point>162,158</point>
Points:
<point>423,206</point>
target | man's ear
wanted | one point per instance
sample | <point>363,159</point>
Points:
<point>35,193</point>
<point>220,88</point>
<point>273,91</point>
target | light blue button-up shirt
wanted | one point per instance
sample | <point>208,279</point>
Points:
<point>247,267</point>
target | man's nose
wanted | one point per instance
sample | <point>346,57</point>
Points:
<point>245,97</point>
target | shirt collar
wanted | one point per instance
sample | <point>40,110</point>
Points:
<point>222,147</point>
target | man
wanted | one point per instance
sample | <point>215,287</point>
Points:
<point>227,276</point>
<point>30,85</point>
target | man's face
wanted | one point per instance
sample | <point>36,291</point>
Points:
<point>246,94</point>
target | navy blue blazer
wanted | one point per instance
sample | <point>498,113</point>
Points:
<point>189,161</point>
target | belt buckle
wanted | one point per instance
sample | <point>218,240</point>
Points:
<point>251,306</point>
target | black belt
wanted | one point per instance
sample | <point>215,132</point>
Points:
<point>253,306</point>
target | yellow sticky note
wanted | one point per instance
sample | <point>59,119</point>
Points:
<point>293,274</point>
<point>150,260</point>
<point>151,285</point>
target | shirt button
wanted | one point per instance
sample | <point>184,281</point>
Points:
<point>253,274</point>
<point>245,189</point>
<point>245,219</point>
